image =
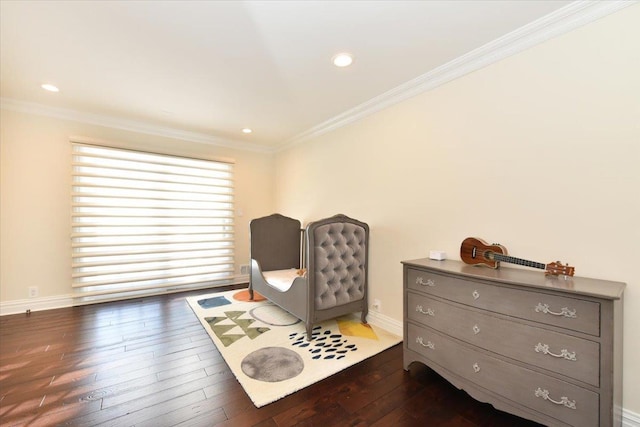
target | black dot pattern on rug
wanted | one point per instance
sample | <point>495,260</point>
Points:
<point>325,345</point>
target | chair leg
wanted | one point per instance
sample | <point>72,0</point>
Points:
<point>363,317</point>
<point>250,293</point>
<point>309,329</point>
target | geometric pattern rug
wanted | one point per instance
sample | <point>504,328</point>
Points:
<point>266,347</point>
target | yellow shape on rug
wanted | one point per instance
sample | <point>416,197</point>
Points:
<point>355,328</point>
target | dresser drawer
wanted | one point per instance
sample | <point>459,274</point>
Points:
<point>574,357</point>
<point>570,313</point>
<point>561,400</point>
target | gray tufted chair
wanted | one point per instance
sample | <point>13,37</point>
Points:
<point>337,267</point>
<point>336,251</point>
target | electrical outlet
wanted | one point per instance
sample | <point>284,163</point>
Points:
<point>377,305</point>
<point>244,269</point>
<point>33,291</point>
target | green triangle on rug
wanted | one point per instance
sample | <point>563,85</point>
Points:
<point>264,345</point>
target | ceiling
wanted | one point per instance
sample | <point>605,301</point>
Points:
<point>212,68</point>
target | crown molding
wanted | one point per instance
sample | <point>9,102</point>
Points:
<point>127,125</point>
<point>563,20</point>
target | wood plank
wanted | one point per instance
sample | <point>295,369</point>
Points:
<point>149,362</point>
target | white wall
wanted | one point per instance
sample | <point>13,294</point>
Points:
<point>540,152</point>
<point>35,172</point>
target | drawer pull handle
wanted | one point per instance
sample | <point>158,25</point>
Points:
<point>475,294</point>
<point>564,311</point>
<point>564,400</point>
<point>428,282</point>
<point>476,368</point>
<point>564,353</point>
<point>429,344</point>
<point>476,329</point>
<point>428,312</point>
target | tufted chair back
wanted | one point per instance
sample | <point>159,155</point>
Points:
<point>338,264</point>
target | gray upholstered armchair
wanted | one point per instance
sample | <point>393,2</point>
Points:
<point>335,259</point>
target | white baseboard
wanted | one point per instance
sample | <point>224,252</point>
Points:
<point>630,419</point>
<point>35,304</point>
<point>62,301</point>
<point>385,322</point>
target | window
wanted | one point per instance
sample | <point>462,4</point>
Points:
<point>144,223</point>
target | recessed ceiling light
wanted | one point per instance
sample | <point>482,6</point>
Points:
<point>342,59</point>
<point>246,130</point>
<point>50,87</point>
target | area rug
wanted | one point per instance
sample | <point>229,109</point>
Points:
<point>267,350</point>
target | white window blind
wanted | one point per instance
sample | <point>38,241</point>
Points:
<point>143,223</point>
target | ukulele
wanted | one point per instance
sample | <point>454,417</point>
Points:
<point>477,251</point>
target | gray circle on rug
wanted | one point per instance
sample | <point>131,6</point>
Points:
<point>272,364</point>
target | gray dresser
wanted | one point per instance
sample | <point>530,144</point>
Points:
<point>544,348</point>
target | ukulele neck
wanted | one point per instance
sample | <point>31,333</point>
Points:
<point>518,261</point>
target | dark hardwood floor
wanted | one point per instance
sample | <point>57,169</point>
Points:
<point>149,362</point>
